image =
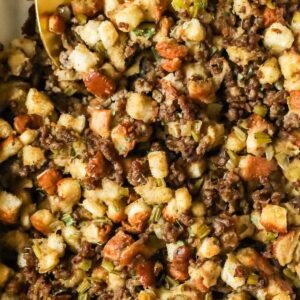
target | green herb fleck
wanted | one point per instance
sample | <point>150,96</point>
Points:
<point>145,32</point>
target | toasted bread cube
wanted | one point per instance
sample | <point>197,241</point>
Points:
<point>28,136</point>
<point>48,180</point>
<point>9,147</point>
<point>158,164</point>
<point>202,91</point>
<point>209,247</point>
<point>206,275</point>
<point>127,17</point>
<point>194,31</point>
<point>289,63</point>
<point>72,237</point>
<point>228,274</point>
<point>75,123</point>
<point>252,168</point>
<point>296,21</point>
<point>141,107</point>
<point>9,207</point>
<point>108,34</point>
<point>39,103</point>
<point>183,200</point>
<point>56,24</point>
<point>82,59</point>
<point>41,221</point>
<point>278,38</point>
<point>240,55</point>
<point>28,46</point>
<point>17,61</point>
<point>116,54</point>
<point>122,142</point>
<point>5,273</point>
<point>95,207</point>
<point>116,245</point>
<point>285,246</point>
<point>69,192</point>
<point>100,122</point>
<point>196,169</point>
<point>77,168</point>
<point>86,7</point>
<point>235,143</point>
<point>33,156</point>
<point>138,213</point>
<point>89,32</point>
<point>269,71</point>
<point>294,101</point>
<point>274,218</point>
<point>115,282</point>
<point>116,211</point>
<point>153,194</point>
<point>95,233</point>
<point>152,10</point>
<point>5,129</point>
<point>242,8</point>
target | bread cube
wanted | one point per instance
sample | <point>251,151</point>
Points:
<point>28,46</point>
<point>9,147</point>
<point>194,31</point>
<point>28,136</point>
<point>278,38</point>
<point>9,207</point>
<point>69,193</point>
<point>209,247</point>
<point>127,17</point>
<point>183,200</point>
<point>95,233</point>
<point>77,168</point>
<point>252,167</point>
<point>240,55</point>
<point>284,247</point>
<point>153,194</point>
<point>33,156</point>
<point>122,142</point>
<point>17,62</point>
<point>296,21</point>
<point>158,164</point>
<point>202,91</point>
<point>138,212</point>
<point>5,273</point>
<point>152,10</point>
<point>39,103</point>
<point>274,218</point>
<point>86,7</point>
<point>141,107</point>
<point>100,122</point>
<point>108,34</point>
<point>289,63</point>
<point>228,274</point>
<point>269,71</point>
<point>95,207</point>
<point>75,123</point>
<point>82,59</point>
<point>41,221</point>
<point>89,32</point>
<point>5,129</point>
<point>48,180</point>
<point>196,169</point>
<point>242,8</point>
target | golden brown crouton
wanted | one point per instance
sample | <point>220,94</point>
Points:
<point>202,91</point>
<point>285,246</point>
<point>114,247</point>
<point>48,180</point>
<point>9,207</point>
<point>100,122</point>
<point>86,7</point>
<point>41,221</point>
<point>252,168</point>
<point>274,218</point>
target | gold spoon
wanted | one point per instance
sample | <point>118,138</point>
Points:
<point>51,41</point>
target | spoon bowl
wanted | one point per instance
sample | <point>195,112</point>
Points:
<point>51,41</point>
